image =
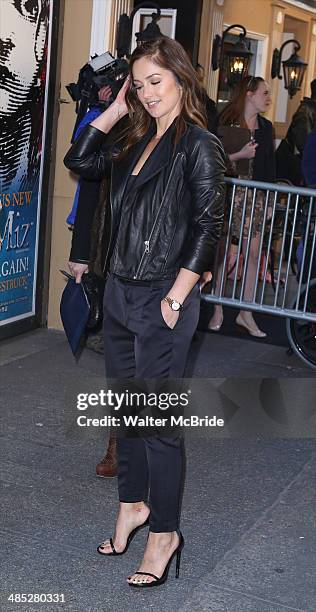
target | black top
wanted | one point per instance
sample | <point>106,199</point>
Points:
<point>89,195</point>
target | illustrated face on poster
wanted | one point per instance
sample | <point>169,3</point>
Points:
<point>23,35</point>
<point>23,72</point>
<point>21,20</point>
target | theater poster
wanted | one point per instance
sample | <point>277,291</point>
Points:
<point>24,61</point>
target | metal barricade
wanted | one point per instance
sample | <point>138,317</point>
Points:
<point>265,225</point>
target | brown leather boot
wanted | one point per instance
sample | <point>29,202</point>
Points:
<point>107,468</point>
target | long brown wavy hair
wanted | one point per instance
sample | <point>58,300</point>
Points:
<point>169,54</point>
<point>233,113</point>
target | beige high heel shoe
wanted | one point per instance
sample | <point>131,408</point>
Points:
<point>253,331</point>
<point>216,327</point>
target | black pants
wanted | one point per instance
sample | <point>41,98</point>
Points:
<point>138,343</point>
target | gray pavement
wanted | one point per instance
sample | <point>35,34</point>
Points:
<point>249,511</point>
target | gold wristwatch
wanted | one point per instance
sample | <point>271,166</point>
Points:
<point>174,304</point>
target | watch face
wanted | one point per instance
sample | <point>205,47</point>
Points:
<point>175,305</point>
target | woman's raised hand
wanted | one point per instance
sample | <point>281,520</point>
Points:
<point>120,101</point>
<point>118,109</point>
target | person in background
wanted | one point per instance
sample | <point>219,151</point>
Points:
<point>87,194</point>
<point>303,121</point>
<point>309,172</point>
<point>93,113</point>
<point>251,97</point>
<point>309,160</point>
<point>290,151</point>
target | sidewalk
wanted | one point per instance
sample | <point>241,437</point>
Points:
<point>249,507</point>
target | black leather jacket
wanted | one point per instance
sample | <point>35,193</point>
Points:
<point>180,198</point>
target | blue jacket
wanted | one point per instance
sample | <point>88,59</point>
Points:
<point>309,159</point>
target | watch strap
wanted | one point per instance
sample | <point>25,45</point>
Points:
<point>170,301</point>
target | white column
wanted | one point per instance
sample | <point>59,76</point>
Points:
<point>100,27</point>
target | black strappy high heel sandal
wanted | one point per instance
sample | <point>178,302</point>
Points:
<point>158,581</point>
<point>129,539</point>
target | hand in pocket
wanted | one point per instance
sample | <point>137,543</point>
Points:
<point>169,316</point>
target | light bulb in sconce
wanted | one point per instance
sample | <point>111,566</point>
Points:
<point>279,17</point>
<point>238,66</point>
<point>293,75</point>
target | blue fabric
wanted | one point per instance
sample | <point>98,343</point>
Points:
<point>309,171</point>
<point>92,114</point>
<point>309,159</point>
<point>299,255</point>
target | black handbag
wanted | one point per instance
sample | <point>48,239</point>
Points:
<point>94,287</point>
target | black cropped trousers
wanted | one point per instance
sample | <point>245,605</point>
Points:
<point>139,344</point>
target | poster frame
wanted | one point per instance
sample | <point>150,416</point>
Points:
<point>41,280</point>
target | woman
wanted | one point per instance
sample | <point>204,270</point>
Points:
<point>165,220</point>
<point>250,98</point>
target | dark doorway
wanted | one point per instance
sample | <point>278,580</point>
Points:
<point>188,24</point>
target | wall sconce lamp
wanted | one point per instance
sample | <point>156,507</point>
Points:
<point>293,68</point>
<point>238,57</point>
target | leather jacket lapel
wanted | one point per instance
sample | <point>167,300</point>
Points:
<point>158,159</point>
<point>122,169</point>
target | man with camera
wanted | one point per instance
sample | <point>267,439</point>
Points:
<point>98,82</point>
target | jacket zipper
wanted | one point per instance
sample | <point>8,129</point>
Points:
<point>147,242</point>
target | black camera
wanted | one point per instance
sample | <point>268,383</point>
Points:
<point>100,71</point>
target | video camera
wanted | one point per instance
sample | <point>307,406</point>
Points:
<point>100,71</point>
